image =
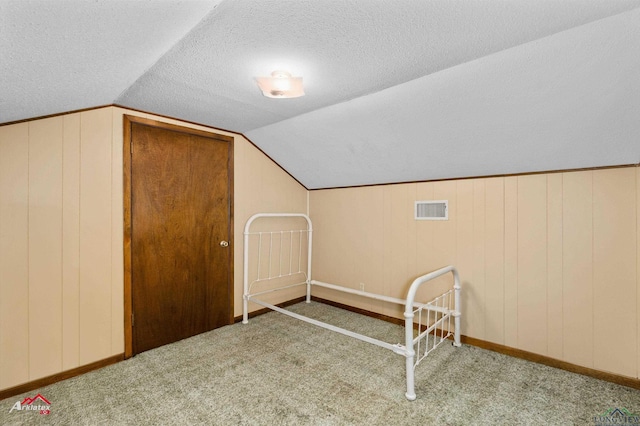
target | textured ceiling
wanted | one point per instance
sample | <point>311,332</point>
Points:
<point>396,90</point>
<point>60,55</point>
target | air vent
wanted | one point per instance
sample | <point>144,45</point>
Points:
<point>432,210</point>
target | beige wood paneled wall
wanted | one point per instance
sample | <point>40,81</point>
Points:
<point>260,186</point>
<point>60,266</point>
<point>61,237</point>
<point>548,262</point>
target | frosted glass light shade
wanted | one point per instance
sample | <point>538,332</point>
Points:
<point>281,85</point>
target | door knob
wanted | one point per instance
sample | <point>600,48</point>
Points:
<point>224,243</point>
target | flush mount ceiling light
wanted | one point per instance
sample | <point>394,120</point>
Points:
<point>281,85</point>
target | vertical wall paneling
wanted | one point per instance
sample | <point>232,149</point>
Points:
<point>14,255</point>
<point>259,185</point>
<point>45,247</point>
<point>577,268</point>
<point>247,173</point>
<point>375,263</point>
<point>240,177</point>
<point>387,243</point>
<point>269,180</point>
<point>471,305</point>
<point>614,275</point>
<point>511,261</point>
<point>433,247</point>
<point>321,246</point>
<point>424,230</point>
<point>387,240</point>
<point>543,258</point>
<point>532,263</point>
<point>638,271</point>
<point>412,268</point>
<point>443,245</point>
<point>554,265</point>
<point>367,255</point>
<point>71,242</point>
<point>95,235</point>
<point>397,264</point>
<point>244,174</point>
<point>494,260</point>
<point>425,248</point>
<point>348,255</point>
<point>478,274</point>
<point>353,231</point>
<point>345,259</point>
<point>117,221</point>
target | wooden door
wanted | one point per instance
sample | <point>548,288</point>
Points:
<point>180,212</point>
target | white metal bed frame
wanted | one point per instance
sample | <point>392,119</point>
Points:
<point>432,319</point>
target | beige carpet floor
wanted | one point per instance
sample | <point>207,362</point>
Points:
<point>280,371</point>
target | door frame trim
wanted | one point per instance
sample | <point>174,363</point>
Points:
<point>128,121</point>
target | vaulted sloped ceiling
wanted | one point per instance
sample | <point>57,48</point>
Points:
<point>396,90</point>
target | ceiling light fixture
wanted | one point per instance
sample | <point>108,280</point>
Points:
<point>281,85</point>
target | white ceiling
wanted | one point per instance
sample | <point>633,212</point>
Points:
<point>396,90</point>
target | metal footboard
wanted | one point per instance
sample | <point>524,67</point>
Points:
<point>437,316</point>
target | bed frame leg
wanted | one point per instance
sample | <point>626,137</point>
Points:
<point>245,310</point>
<point>411,393</point>
<point>409,353</point>
<point>456,314</point>
<point>456,334</point>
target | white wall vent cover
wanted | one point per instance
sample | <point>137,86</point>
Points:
<point>432,210</point>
